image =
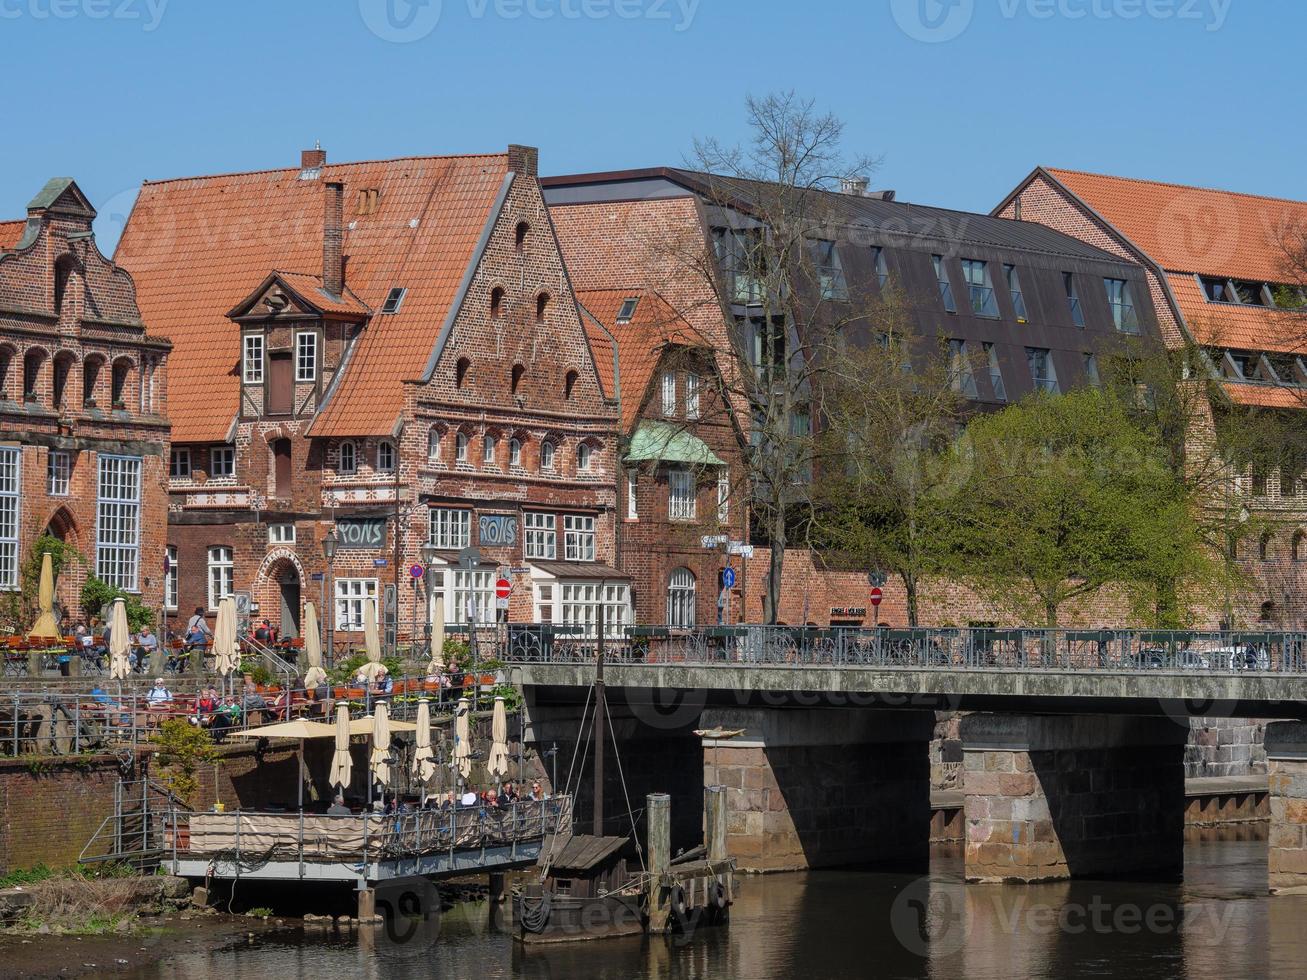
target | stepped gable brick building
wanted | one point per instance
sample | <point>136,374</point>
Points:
<point>683,478</point>
<point>389,350</point>
<point>1222,280</point>
<point>83,405</point>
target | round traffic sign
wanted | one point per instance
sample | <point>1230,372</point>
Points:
<point>728,577</point>
<point>417,571</point>
<point>503,587</point>
<point>876,595</point>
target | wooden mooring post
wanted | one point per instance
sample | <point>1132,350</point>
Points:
<point>714,810</point>
<point>658,810</point>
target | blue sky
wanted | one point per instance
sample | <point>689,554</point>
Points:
<point>961,98</point>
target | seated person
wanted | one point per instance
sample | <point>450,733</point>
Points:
<point>338,807</point>
<point>146,644</point>
<point>227,716</point>
<point>205,705</point>
<point>251,699</point>
<point>384,685</point>
<point>158,694</point>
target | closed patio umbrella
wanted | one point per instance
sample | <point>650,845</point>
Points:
<point>46,628</point>
<point>226,655</point>
<point>424,763</point>
<point>371,642</point>
<point>120,637</point>
<point>437,665</point>
<point>342,767</point>
<point>462,738</point>
<point>315,676</point>
<point>498,764</point>
<point>379,762</point>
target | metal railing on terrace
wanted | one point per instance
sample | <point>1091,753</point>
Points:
<point>1112,651</point>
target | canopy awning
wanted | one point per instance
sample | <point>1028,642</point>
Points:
<point>317,729</point>
<point>669,443</point>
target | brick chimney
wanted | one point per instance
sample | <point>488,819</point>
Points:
<point>523,160</point>
<point>313,159</point>
<point>333,238</point>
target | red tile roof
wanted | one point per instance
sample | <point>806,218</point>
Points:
<point>196,247</point>
<point>640,343</point>
<point>310,288</point>
<point>10,232</point>
<point>1265,396</point>
<point>1194,230</point>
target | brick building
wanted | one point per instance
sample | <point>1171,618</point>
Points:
<point>1024,307</point>
<point>390,350</point>
<point>83,405</point>
<point>683,477</point>
<point>1223,284</point>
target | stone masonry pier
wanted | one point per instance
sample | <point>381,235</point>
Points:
<point>1050,797</point>
<point>1286,753</point>
<point>820,787</point>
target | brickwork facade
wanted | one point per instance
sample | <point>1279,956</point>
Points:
<point>83,407</point>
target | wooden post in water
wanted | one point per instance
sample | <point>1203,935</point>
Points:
<point>714,810</point>
<point>658,814</point>
<point>601,711</point>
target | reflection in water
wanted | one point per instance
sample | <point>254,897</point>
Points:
<point>1218,924</point>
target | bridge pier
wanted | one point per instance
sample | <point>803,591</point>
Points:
<point>817,787</point>
<point>1051,797</point>
<point>1286,857</point>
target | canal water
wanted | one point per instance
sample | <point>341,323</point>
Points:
<point>1219,924</point>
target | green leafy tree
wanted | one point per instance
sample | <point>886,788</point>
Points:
<point>183,749</point>
<point>98,597</point>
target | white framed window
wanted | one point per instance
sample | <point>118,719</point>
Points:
<point>306,356</point>
<point>348,457</point>
<point>222,571</point>
<point>118,521</point>
<point>632,483</point>
<point>11,458</point>
<point>460,448</point>
<point>474,595</point>
<point>583,454</point>
<point>222,461</point>
<point>515,452</point>
<point>385,456</point>
<point>578,537</point>
<point>669,394</point>
<point>541,535</point>
<point>281,534</point>
<point>691,396</point>
<point>680,598</point>
<point>723,497</point>
<point>488,450</point>
<point>253,359</point>
<point>351,594</point>
<point>449,528</point>
<point>546,455</point>
<point>58,468</point>
<point>179,464</point>
<point>433,445</point>
<point>680,495</point>
<point>580,601</point>
<point>170,578</point>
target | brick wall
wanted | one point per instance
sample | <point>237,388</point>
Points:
<point>49,812</point>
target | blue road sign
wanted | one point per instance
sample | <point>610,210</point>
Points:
<point>728,577</point>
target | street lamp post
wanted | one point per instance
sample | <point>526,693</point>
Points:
<point>329,615</point>
<point>428,559</point>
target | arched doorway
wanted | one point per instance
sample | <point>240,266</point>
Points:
<point>278,591</point>
<point>288,584</point>
<point>68,589</point>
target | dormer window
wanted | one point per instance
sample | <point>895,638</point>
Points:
<point>394,299</point>
<point>253,359</point>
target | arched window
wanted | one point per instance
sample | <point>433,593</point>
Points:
<point>488,450</point>
<point>515,452</point>
<point>542,307</point>
<point>386,456</point>
<point>460,448</point>
<point>496,303</point>
<point>348,457</point>
<point>516,377</point>
<point>546,455</point>
<point>63,270</point>
<point>6,366</point>
<point>1297,552</point>
<point>63,367</point>
<point>680,598</point>
<point>569,383</point>
<point>460,371</point>
<point>122,370</point>
<point>433,444</point>
<point>583,452</point>
<point>90,378</point>
<point>33,361</point>
<point>519,236</point>
<point>1264,546</point>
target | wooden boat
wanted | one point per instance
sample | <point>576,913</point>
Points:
<point>584,892</point>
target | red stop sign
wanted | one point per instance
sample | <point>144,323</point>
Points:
<point>876,595</point>
<point>503,587</point>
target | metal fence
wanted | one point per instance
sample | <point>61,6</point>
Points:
<point>969,649</point>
